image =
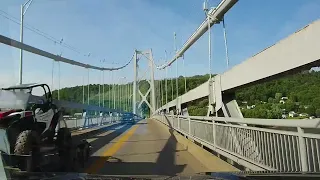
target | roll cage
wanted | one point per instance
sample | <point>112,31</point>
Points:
<point>45,87</point>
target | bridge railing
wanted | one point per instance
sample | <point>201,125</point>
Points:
<point>257,144</point>
<point>89,121</point>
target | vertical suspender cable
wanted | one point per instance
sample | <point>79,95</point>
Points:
<point>166,87</point>
<point>52,74</point>
<point>209,46</point>
<point>172,97</point>
<point>225,42</point>
<point>113,92</point>
<point>177,78</point>
<point>99,88</point>
<point>185,78</point>
<point>110,94</point>
<point>118,85</point>
<point>161,91</point>
<point>59,81</point>
<point>127,96</point>
<point>102,88</point>
<point>166,82</point>
<point>120,93</point>
<point>82,89</point>
<point>88,88</point>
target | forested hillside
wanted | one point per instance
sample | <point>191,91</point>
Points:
<point>299,93</point>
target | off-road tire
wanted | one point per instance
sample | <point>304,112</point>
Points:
<point>25,142</point>
<point>67,153</point>
<point>64,139</point>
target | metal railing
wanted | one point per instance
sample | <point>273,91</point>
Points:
<point>257,144</point>
<point>89,121</point>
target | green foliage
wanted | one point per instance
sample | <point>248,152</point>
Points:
<point>317,112</point>
<point>302,90</point>
<point>278,96</point>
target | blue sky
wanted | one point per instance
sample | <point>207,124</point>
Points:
<point>112,29</point>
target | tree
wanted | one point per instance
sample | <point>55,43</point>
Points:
<point>300,88</point>
<point>252,98</point>
<point>293,97</point>
<point>316,102</point>
<point>264,98</point>
<point>278,96</point>
<point>318,112</point>
<point>310,110</point>
<point>289,105</point>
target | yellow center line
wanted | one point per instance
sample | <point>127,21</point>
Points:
<point>97,165</point>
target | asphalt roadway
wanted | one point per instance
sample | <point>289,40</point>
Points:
<point>146,148</point>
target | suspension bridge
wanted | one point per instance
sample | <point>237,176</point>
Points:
<point>169,141</point>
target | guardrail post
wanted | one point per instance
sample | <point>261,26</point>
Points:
<point>178,122</point>
<point>302,148</point>
<point>214,133</point>
<point>189,121</point>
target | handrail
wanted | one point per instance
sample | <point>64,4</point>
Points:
<point>255,148</point>
<point>302,123</point>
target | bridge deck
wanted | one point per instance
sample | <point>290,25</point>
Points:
<point>146,148</point>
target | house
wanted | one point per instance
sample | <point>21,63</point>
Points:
<point>77,114</point>
<point>292,114</point>
<point>304,115</point>
<point>282,101</point>
<point>251,107</point>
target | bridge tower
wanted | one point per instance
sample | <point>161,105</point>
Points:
<point>148,95</point>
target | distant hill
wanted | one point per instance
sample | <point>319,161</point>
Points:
<point>302,91</point>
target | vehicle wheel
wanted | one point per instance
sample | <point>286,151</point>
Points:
<point>64,144</point>
<point>64,139</point>
<point>27,143</point>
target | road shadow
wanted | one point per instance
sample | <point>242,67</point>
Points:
<point>89,134</point>
<point>167,156</point>
<point>101,141</point>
